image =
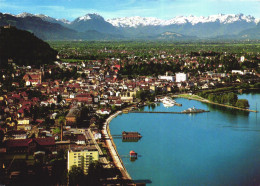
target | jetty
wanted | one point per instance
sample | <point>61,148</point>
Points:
<point>183,112</point>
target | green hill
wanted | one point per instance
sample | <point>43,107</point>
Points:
<point>24,48</point>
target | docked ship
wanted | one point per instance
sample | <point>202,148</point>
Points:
<point>168,102</point>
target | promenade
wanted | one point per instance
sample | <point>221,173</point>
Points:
<point>112,147</point>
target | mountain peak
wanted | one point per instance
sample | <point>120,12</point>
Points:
<point>64,21</point>
<point>89,16</point>
<point>25,14</point>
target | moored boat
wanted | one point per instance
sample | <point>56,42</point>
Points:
<point>168,102</point>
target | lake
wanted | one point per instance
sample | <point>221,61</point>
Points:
<point>220,147</point>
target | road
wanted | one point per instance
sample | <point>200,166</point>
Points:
<point>103,160</point>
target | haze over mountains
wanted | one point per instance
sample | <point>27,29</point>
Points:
<point>95,27</point>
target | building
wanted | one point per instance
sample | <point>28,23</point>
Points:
<point>82,156</point>
<point>240,72</point>
<point>29,146</point>
<point>180,77</point>
<point>128,136</point>
<point>167,78</point>
<point>23,121</point>
<point>72,116</point>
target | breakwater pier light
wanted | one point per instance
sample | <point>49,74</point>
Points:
<point>133,155</point>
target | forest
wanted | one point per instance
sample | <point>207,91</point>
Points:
<point>24,48</point>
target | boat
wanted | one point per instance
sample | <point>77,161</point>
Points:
<point>168,102</point>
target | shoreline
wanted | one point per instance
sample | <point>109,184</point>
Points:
<point>112,147</point>
<point>210,102</point>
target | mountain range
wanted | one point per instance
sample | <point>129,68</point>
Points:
<point>95,27</point>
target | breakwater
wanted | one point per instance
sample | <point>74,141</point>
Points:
<point>187,112</point>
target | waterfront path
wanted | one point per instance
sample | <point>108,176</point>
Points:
<point>197,98</point>
<point>112,147</point>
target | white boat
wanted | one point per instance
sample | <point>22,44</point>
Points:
<point>168,102</point>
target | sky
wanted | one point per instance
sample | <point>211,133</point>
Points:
<point>163,9</point>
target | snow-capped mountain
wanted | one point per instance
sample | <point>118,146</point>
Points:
<point>87,17</point>
<point>44,18</point>
<point>135,21</point>
<point>213,26</point>
<point>51,19</point>
<point>92,22</point>
<point>151,21</point>
<point>25,14</point>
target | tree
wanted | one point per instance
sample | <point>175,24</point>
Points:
<point>56,130</point>
<point>62,121</point>
<point>2,134</point>
<point>232,98</point>
<point>242,103</point>
<point>95,172</point>
<point>59,171</point>
<point>76,175</point>
<point>48,122</point>
<point>59,98</point>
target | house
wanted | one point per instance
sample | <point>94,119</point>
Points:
<point>33,78</point>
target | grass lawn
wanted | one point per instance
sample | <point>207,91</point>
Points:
<point>71,60</point>
<point>190,96</point>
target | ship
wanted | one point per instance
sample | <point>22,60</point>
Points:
<point>168,102</point>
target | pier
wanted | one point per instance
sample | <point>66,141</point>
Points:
<point>151,112</point>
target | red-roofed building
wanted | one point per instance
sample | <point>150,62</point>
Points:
<point>30,145</point>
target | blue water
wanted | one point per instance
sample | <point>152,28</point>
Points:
<point>221,147</point>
